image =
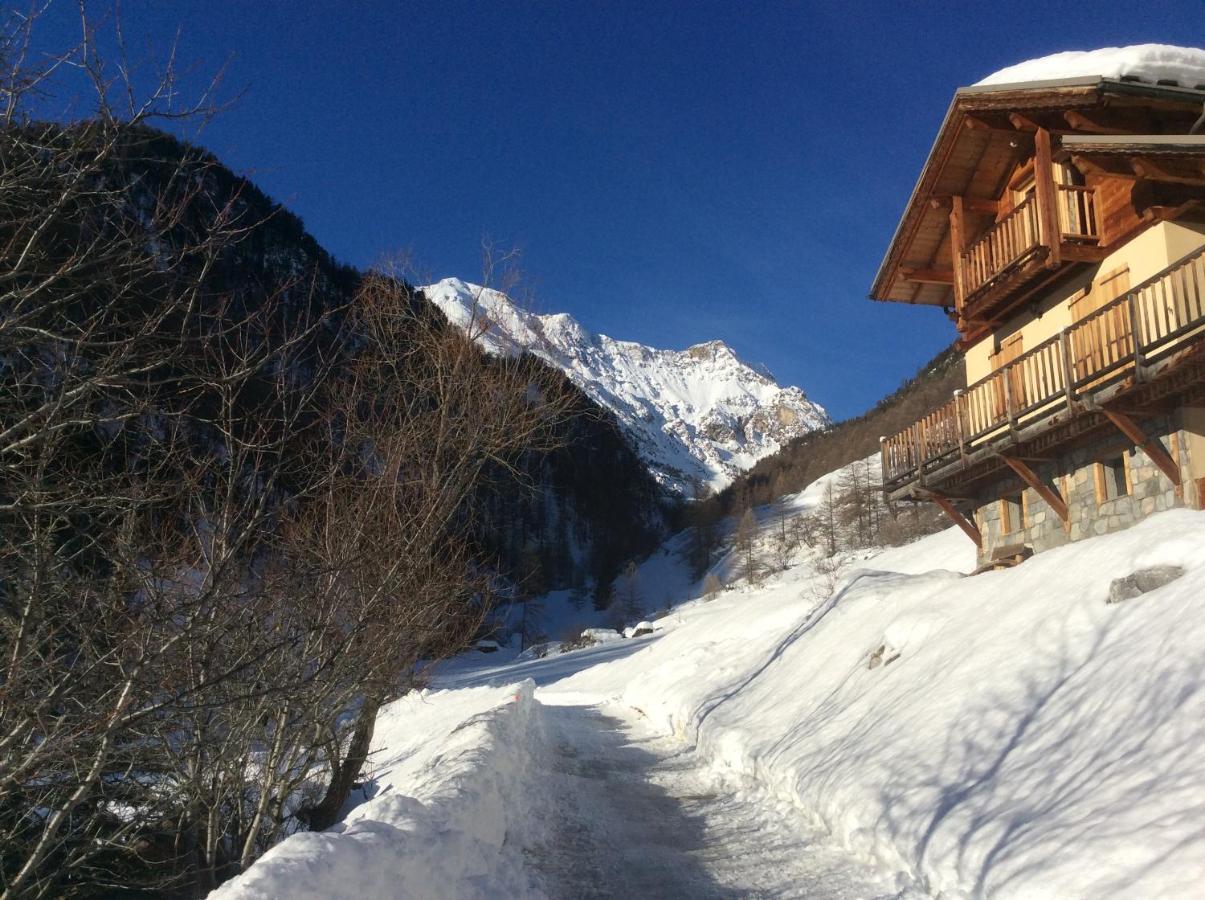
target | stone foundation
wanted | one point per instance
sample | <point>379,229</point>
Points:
<point>1074,477</point>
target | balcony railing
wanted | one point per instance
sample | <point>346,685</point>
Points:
<point>1006,244</point>
<point>1017,237</point>
<point>1140,328</point>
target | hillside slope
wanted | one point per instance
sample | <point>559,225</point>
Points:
<point>809,456</point>
<point>698,416</point>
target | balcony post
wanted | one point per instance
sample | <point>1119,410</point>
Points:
<point>1135,337</point>
<point>1009,407</point>
<point>1049,230</point>
<point>962,443</point>
<point>1068,367</point>
<point>957,245</point>
<point>920,451</point>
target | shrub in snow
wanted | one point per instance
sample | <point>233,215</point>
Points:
<point>601,635</point>
<point>883,655</point>
<point>589,637</point>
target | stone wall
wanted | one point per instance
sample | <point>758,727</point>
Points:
<point>1073,476</point>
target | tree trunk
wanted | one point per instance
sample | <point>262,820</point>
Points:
<point>345,773</point>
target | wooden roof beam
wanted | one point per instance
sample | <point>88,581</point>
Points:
<point>1023,123</point>
<point>928,276</point>
<point>1108,168</point>
<point>971,204</point>
<point>1145,167</point>
<point>1081,122</point>
<point>978,123</point>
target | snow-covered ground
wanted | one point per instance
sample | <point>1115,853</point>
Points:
<point>699,415</point>
<point>894,729</point>
<point>445,815</point>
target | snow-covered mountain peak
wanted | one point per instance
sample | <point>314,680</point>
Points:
<point>698,416</point>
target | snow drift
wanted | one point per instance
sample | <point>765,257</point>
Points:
<point>1008,735</point>
<point>447,810</point>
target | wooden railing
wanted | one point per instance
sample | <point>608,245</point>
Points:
<point>1077,212</point>
<point>1155,319</point>
<point>1004,245</point>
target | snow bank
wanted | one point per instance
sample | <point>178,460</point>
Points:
<point>1008,735</point>
<point>1184,66</point>
<point>447,811</point>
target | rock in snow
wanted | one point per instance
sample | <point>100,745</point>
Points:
<point>1163,63</point>
<point>1141,582</point>
<point>694,415</point>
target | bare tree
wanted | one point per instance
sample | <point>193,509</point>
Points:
<point>231,523</point>
<point>786,536</point>
<point>822,522</point>
<point>749,559</point>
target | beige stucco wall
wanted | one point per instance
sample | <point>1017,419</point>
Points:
<point>1146,255</point>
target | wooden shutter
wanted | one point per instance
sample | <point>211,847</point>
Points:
<point>1107,338</point>
<point>1009,350</point>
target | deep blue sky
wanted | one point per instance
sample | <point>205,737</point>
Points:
<point>671,172</point>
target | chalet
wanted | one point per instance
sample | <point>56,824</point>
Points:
<point>1061,225</point>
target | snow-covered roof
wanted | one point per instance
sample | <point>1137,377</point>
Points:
<point>1151,63</point>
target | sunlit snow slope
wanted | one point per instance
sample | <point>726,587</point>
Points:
<point>696,416</point>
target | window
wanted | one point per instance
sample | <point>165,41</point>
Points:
<point>1012,513</point>
<point>1113,478</point>
<point>1021,185</point>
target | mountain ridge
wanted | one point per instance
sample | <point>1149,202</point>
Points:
<point>698,417</point>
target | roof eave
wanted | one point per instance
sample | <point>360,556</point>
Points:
<point>1100,83</point>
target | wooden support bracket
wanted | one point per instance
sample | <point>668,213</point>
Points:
<point>1150,446</point>
<point>1052,498</point>
<point>959,519</point>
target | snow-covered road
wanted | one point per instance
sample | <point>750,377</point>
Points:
<point>630,813</point>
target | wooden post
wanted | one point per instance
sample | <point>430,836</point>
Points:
<point>957,245</point>
<point>1132,309</point>
<point>968,528</point>
<point>920,451</point>
<point>1006,373</point>
<point>1068,367</point>
<point>959,402</point>
<point>1150,446</point>
<point>1053,500</point>
<point>1049,230</point>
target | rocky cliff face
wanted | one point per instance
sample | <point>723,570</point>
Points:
<point>697,417</point>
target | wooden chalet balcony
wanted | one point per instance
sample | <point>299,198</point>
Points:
<point>1133,340</point>
<point>1017,239</point>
